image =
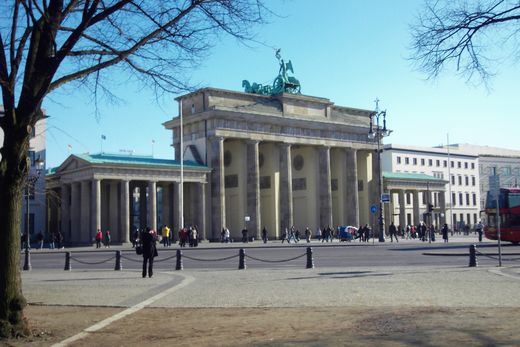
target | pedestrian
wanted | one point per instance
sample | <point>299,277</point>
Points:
<point>393,232</point>
<point>98,238</point>
<point>59,240</point>
<point>318,234</point>
<point>244,235</point>
<point>264,235</point>
<point>39,238</point>
<point>194,236</point>
<point>51,240</point>
<point>135,238</point>
<point>367,233</point>
<point>308,234</point>
<point>165,233</point>
<point>445,232</point>
<point>107,239</point>
<point>227,235</point>
<point>284,236</point>
<point>478,229</point>
<point>432,233</point>
<point>148,240</point>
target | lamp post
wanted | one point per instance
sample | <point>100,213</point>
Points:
<point>30,182</point>
<point>377,134</point>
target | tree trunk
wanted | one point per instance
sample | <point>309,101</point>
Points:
<point>12,172</point>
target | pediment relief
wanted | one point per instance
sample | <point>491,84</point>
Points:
<point>72,163</point>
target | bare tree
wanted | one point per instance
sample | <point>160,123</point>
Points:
<point>474,35</point>
<point>46,44</point>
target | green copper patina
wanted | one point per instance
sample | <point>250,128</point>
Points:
<point>283,83</point>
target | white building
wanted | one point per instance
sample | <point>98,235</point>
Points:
<point>459,168</point>
<point>37,206</point>
<point>492,160</point>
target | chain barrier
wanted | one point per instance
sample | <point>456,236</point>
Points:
<point>275,261</point>
<point>496,258</point>
<point>92,263</point>
<point>218,259</point>
<point>158,261</point>
<point>131,259</point>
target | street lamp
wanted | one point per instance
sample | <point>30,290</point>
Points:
<point>30,182</point>
<point>377,134</point>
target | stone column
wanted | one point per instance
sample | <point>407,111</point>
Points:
<point>85,212</point>
<point>416,216</point>
<point>75,202</point>
<point>152,200</point>
<point>96,207</point>
<point>177,202</point>
<point>388,210</point>
<point>113,212</point>
<point>166,204</point>
<point>253,189</point>
<point>218,192</point>
<point>125,211</point>
<point>402,209</point>
<point>143,217</point>
<point>352,193</point>
<point>65,210</point>
<point>324,188</point>
<point>200,208</point>
<point>286,195</point>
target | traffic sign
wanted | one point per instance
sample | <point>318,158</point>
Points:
<point>373,209</point>
<point>385,198</point>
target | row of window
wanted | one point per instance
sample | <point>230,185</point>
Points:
<point>415,161</point>
<point>466,180</point>
<point>470,199</point>
<point>460,221</point>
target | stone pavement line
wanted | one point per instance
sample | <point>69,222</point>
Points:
<point>500,272</point>
<point>131,310</point>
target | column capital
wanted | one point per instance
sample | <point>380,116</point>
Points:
<point>217,138</point>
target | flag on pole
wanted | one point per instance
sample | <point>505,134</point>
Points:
<point>69,148</point>
<point>103,137</point>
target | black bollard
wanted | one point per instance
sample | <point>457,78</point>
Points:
<point>178,265</point>
<point>241,259</point>
<point>472,256</point>
<point>118,266</point>
<point>67,261</point>
<point>310,260</point>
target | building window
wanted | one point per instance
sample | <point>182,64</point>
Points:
<point>468,218</point>
<point>459,164</point>
<point>460,180</point>
<point>299,184</point>
<point>472,166</point>
<point>475,220</point>
<point>265,182</point>
<point>231,181</point>
<point>466,179</point>
<point>461,200</point>
<point>507,171</point>
<point>445,163</point>
<point>422,162</point>
<point>467,199</point>
<point>474,199</point>
<point>437,163</point>
<point>473,181</point>
<point>453,199</point>
<point>453,179</point>
<point>414,161</point>
<point>398,160</point>
<point>466,165</point>
<point>452,164</point>
<point>408,198</point>
<point>454,219</point>
<point>461,217</point>
<point>298,162</point>
<point>430,162</point>
<point>407,160</point>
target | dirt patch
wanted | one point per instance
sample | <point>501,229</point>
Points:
<point>336,326</point>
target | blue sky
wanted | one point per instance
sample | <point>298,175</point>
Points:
<point>351,52</point>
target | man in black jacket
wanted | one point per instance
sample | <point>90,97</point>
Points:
<point>148,239</point>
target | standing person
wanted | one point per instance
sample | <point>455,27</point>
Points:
<point>393,232</point>
<point>107,239</point>
<point>227,235</point>
<point>244,235</point>
<point>284,236</point>
<point>39,238</point>
<point>367,233</point>
<point>194,236</point>
<point>135,238</point>
<point>318,233</point>
<point>445,232</point>
<point>264,235</point>
<point>59,239</point>
<point>99,237</point>
<point>478,229</point>
<point>432,233</point>
<point>308,234</point>
<point>165,233</point>
<point>148,239</point>
<point>51,240</point>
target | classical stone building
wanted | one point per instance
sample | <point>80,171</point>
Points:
<point>121,193</point>
<point>278,160</point>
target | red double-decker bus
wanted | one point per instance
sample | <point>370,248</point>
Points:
<point>509,211</point>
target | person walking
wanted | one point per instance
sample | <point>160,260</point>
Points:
<point>264,235</point>
<point>284,236</point>
<point>148,240</point>
<point>393,232</point>
<point>107,239</point>
<point>99,237</point>
<point>51,240</point>
<point>308,234</point>
<point>244,235</point>
<point>445,232</point>
<point>39,238</point>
